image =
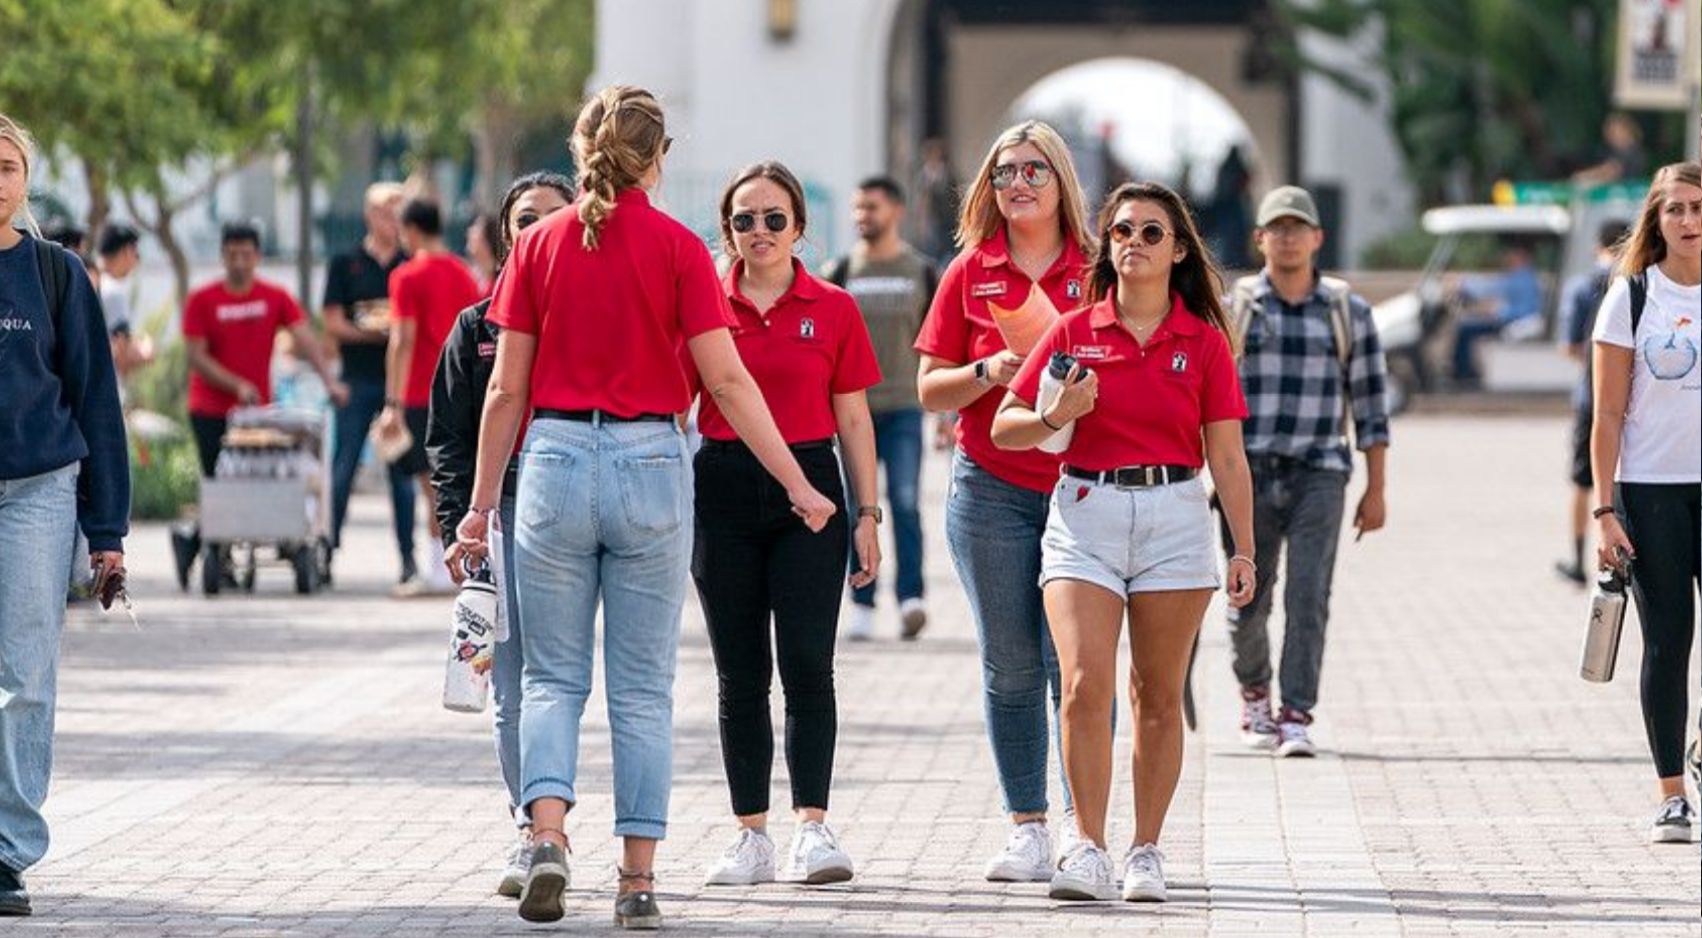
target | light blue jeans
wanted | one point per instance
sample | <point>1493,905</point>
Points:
<point>38,522</point>
<point>505,674</point>
<point>604,516</point>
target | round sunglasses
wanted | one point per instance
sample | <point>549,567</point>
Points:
<point>1151,233</point>
<point>745,222</point>
<point>1037,173</point>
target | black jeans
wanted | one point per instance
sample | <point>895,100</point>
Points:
<point>1662,522</point>
<point>209,435</point>
<point>754,560</point>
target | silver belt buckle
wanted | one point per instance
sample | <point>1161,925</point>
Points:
<point>1149,475</point>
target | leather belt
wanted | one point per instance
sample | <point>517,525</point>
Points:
<point>1135,476</point>
<point>597,416</point>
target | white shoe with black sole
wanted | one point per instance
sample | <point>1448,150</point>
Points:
<point>1673,822</point>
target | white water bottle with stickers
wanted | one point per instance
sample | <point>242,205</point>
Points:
<point>1052,382</point>
<point>472,641</point>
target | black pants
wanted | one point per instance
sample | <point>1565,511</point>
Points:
<point>1662,522</point>
<point>753,560</point>
<point>209,440</point>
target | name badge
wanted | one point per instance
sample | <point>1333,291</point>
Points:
<point>1091,353</point>
<point>983,290</point>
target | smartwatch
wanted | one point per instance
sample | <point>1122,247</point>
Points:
<point>981,373</point>
<point>871,511</point>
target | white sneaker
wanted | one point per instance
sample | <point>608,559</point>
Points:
<point>1258,726</point>
<point>1673,822</point>
<point>815,857</point>
<point>861,628</point>
<point>1143,875</point>
<point>1027,857</point>
<point>1084,874</point>
<point>1069,833</point>
<point>1293,741</point>
<point>513,880</point>
<point>748,860</point>
<point>913,613</point>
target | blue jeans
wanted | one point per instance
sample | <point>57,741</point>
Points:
<point>994,529</point>
<point>1303,507</point>
<point>898,444</point>
<point>604,515</point>
<point>354,420</point>
<point>506,667</point>
<point>38,522</point>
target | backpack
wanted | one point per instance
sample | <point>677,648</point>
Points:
<point>55,273</point>
<point>1244,303</point>
<point>1639,284</point>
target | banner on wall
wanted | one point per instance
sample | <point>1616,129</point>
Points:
<point>1659,48</point>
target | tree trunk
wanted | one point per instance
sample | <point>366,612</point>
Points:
<point>160,226</point>
<point>100,201</point>
<point>303,160</point>
<point>494,134</point>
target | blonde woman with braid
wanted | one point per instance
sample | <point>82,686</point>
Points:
<point>594,305</point>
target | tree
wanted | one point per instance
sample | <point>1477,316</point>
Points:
<point>1479,89</point>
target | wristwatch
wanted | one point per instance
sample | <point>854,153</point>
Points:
<point>871,511</point>
<point>981,373</point>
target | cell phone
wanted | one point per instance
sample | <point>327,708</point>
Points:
<point>108,583</point>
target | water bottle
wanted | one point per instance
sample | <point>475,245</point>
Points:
<point>472,637</point>
<point>1051,385</point>
<point>1607,620</point>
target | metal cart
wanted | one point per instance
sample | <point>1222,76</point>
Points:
<point>270,490</point>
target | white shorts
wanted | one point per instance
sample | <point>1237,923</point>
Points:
<point>1130,540</point>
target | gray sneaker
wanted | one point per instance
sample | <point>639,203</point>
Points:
<point>513,881</point>
<point>637,910</point>
<point>14,899</point>
<point>540,899</point>
<point>1673,822</point>
<point>1693,762</point>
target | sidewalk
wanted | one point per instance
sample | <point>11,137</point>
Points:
<point>270,765</point>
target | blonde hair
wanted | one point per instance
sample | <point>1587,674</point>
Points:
<point>380,193</point>
<point>617,138</point>
<point>1645,246</point>
<point>981,221</point>
<point>14,133</point>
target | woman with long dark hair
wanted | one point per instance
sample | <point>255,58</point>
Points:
<point>595,305</point>
<point>452,444</point>
<point>1648,439</point>
<point>1153,397</point>
<point>1025,243</point>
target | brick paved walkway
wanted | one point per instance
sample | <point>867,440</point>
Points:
<point>270,766</point>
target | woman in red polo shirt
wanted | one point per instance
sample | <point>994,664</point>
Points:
<point>1025,239</point>
<point>1129,531</point>
<point>595,306</point>
<point>805,343</point>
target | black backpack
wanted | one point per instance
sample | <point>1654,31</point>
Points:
<point>1639,284</point>
<point>55,273</point>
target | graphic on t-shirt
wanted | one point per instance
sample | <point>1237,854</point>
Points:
<point>1673,356</point>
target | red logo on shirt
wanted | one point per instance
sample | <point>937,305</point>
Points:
<point>1179,362</point>
<point>806,329</point>
<point>981,290</point>
<point>1072,289</point>
<point>1091,352</point>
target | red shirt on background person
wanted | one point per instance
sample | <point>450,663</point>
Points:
<point>429,289</point>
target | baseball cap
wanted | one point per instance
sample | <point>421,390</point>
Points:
<point>1287,202</point>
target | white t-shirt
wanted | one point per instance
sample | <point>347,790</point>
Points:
<point>1663,424</point>
<point>115,303</point>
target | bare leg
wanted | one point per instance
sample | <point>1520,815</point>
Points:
<point>1161,636</point>
<point>1086,624</point>
<point>638,856</point>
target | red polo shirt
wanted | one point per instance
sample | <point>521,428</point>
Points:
<point>430,289</point>
<point>1154,402</point>
<point>960,329</point>
<point>240,332</point>
<point>809,346</point>
<point>611,323</point>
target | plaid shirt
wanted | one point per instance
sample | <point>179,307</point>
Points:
<point>1291,376</point>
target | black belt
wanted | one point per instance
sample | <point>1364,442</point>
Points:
<point>807,446</point>
<point>596,416</point>
<point>1135,476</point>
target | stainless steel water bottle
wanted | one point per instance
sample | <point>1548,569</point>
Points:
<point>472,637</point>
<point>1607,621</point>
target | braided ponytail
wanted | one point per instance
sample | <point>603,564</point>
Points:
<point>617,138</point>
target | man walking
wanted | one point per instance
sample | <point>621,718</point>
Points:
<point>357,317</point>
<point>426,294</point>
<point>893,285</point>
<point>1312,371</point>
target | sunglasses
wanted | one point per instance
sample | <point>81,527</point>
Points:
<point>745,222</point>
<point>1152,233</point>
<point>1037,173</point>
<point>527,220</point>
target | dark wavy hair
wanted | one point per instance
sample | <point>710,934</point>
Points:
<point>519,187</point>
<point>1195,276</point>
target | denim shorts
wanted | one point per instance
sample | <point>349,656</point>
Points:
<point>1130,540</point>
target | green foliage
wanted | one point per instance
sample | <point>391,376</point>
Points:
<point>1481,89</point>
<point>165,478</point>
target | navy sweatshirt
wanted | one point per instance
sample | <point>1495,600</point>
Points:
<point>59,393</point>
